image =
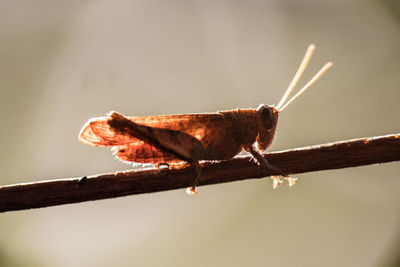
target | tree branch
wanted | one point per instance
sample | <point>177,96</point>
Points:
<point>348,153</point>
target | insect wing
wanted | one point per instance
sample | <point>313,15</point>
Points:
<point>213,130</point>
<point>142,152</point>
<point>97,132</point>
<point>208,128</point>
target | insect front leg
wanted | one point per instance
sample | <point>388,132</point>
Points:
<point>264,162</point>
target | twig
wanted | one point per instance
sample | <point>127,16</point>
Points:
<point>349,153</point>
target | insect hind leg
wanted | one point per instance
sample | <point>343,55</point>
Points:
<point>192,189</point>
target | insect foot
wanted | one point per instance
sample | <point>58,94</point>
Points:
<point>276,181</point>
<point>191,191</point>
<point>291,181</point>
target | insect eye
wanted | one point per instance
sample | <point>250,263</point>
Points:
<point>267,118</point>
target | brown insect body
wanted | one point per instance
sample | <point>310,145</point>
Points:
<point>186,137</point>
<point>194,137</point>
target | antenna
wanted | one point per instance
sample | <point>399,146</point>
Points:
<point>298,74</point>
<point>321,72</point>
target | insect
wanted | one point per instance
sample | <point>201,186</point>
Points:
<point>170,139</point>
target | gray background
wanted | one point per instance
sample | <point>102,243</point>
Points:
<point>62,62</point>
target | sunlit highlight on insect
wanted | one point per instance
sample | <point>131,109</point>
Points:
<point>172,139</point>
<point>276,181</point>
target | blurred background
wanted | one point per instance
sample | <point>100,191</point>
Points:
<point>63,62</point>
